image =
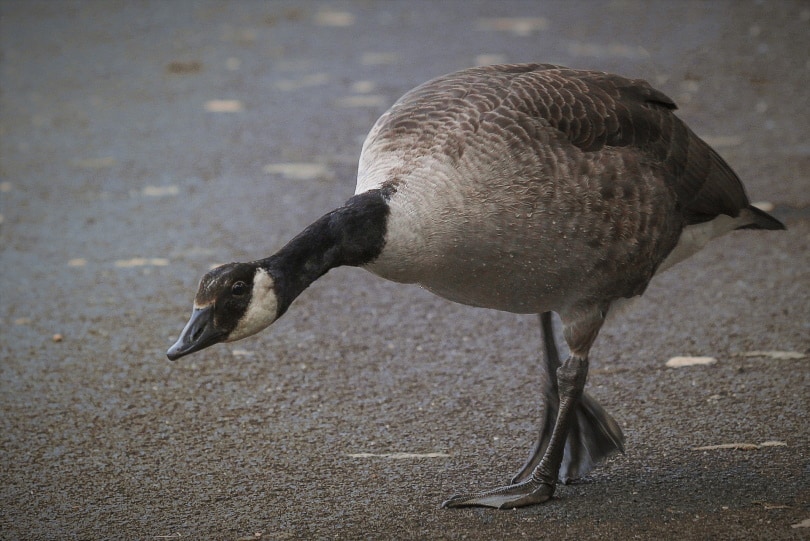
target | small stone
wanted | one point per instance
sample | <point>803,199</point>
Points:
<point>803,524</point>
<point>224,106</point>
<point>179,67</point>
<point>680,362</point>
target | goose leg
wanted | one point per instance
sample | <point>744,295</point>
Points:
<point>571,376</point>
<point>593,435</point>
<point>549,396</point>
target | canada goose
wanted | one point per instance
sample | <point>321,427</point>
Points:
<point>527,188</point>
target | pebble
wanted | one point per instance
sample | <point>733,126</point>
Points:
<point>680,362</point>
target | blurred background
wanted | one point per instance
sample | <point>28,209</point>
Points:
<point>143,142</point>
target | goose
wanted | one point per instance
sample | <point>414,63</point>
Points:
<point>525,188</point>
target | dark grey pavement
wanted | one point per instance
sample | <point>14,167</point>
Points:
<point>142,142</point>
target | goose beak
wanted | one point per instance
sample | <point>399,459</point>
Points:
<point>199,333</point>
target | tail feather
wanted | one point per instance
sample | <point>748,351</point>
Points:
<point>759,219</point>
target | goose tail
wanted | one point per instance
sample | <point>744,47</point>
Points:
<point>759,219</point>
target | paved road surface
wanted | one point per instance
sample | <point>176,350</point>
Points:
<point>143,142</point>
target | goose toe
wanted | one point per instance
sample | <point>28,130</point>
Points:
<point>530,492</point>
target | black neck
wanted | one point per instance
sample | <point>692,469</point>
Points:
<point>353,234</point>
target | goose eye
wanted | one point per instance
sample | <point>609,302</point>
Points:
<point>238,289</point>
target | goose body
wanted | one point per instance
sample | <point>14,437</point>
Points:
<point>525,188</point>
<point>510,183</point>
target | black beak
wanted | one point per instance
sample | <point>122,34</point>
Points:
<point>199,333</point>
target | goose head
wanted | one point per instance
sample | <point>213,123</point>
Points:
<point>233,301</point>
<point>237,300</point>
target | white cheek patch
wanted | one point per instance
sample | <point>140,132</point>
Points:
<point>261,311</point>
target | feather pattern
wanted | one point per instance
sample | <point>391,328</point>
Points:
<point>546,175</point>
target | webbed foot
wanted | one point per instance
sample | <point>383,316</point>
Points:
<point>538,486</point>
<point>529,492</point>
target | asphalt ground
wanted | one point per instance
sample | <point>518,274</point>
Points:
<point>143,142</point>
